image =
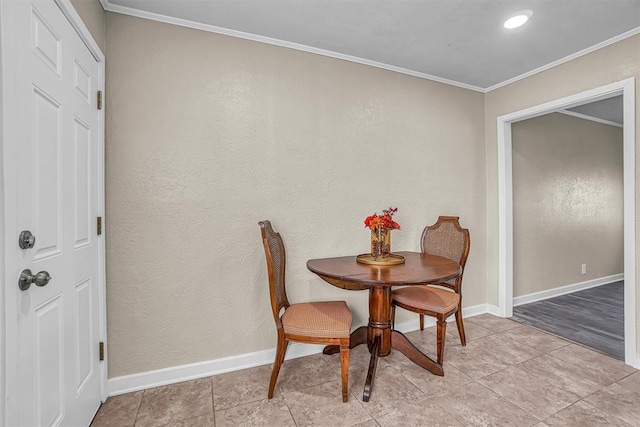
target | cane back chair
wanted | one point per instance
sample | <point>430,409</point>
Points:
<point>448,239</point>
<point>326,322</point>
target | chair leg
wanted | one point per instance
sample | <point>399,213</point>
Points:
<point>442,331</point>
<point>422,322</point>
<point>344,370</point>
<point>463,338</point>
<point>281,350</point>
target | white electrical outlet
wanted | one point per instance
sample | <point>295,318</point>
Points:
<point>584,268</point>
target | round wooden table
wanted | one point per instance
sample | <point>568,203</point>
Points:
<point>347,273</point>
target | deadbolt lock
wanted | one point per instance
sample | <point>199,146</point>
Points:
<point>26,240</point>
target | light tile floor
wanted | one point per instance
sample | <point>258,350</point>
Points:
<point>507,375</point>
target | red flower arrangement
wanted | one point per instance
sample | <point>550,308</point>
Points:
<point>375,221</point>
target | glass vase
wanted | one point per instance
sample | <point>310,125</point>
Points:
<point>380,243</point>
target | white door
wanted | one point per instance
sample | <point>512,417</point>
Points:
<point>51,134</point>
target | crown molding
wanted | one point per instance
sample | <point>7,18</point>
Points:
<point>110,7</point>
<point>568,58</point>
<point>282,43</point>
<point>591,118</point>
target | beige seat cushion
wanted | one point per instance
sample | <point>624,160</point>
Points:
<point>426,298</point>
<point>325,319</point>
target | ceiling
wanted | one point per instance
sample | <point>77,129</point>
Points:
<point>461,42</point>
<point>608,110</point>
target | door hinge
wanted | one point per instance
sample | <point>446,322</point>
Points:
<point>99,225</point>
<point>99,100</point>
<point>101,351</point>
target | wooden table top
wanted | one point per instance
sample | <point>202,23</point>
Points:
<point>418,268</point>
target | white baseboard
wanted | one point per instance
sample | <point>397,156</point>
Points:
<point>176,374</point>
<point>634,363</point>
<point>192,371</point>
<point>563,290</point>
<point>493,309</point>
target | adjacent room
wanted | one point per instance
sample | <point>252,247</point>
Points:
<point>319,213</point>
<point>568,224</point>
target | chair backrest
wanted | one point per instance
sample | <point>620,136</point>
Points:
<point>276,262</point>
<point>448,239</point>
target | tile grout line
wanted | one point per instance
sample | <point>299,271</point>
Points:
<point>548,383</point>
<point>597,408</point>
<point>213,401</point>
<point>284,399</point>
<point>551,415</point>
<point>135,419</point>
<point>446,411</point>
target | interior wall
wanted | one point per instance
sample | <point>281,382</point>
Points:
<point>94,17</point>
<point>208,134</point>
<point>567,202</point>
<point>610,64</point>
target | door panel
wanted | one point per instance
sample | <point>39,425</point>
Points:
<point>54,131</point>
<point>46,43</point>
<point>82,81</point>
<point>85,341</point>
<point>82,182</point>
<point>49,362</point>
<point>46,152</point>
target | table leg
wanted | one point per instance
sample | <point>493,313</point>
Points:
<point>404,346</point>
<point>373,364</point>
<point>357,337</point>
<point>380,318</point>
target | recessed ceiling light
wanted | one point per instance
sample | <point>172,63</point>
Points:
<point>518,19</point>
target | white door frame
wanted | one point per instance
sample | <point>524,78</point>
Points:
<point>7,243</point>
<point>626,88</point>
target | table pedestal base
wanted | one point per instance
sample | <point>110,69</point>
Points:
<point>398,342</point>
<point>373,364</point>
<point>404,346</point>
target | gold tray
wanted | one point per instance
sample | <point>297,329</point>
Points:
<point>392,260</point>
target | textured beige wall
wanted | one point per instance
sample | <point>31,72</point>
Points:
<point>94,17</point>
<point>567,202</point>
<point>607,65</point>
<point>208,134</point>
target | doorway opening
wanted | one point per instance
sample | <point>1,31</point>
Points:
<point>625,88</point>
<point>568,224</point>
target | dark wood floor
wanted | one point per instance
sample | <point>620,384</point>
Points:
<point>593,317</point>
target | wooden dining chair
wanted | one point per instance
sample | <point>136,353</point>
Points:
<point>326,322</point>
<point>448,239</point>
